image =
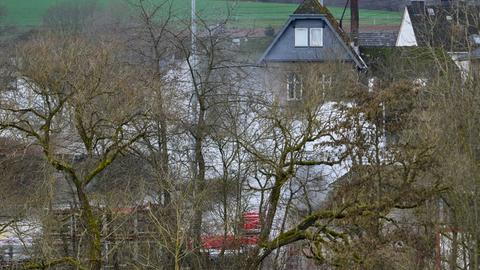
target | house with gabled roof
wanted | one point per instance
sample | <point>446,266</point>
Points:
<point>312,34</point>
<point>311,39</point>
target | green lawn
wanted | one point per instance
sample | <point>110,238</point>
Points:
<point>29,13</point>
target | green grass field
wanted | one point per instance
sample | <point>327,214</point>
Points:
<point>29,13</point>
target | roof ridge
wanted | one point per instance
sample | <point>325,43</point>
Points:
<point>311,7</point>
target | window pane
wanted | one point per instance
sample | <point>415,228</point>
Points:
<point>316,37</point>
<point>291,91</point>
<point>298,89</point>
<point>291,86</point>
<point>301,37</point>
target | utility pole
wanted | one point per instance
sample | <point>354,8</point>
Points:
<point>194,97</point>
<point>193,59</point>
<point>194,30</point>
<point>355,22</point>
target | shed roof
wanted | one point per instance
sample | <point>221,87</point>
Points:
<point>377,39</point>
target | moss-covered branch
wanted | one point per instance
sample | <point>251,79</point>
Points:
<point>53,263</point>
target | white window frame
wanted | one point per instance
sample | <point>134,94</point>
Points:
<point>301,41</point>
<point>297,81</point>
<point>311,39</point>
<point>326,82</point>
<point>431,11</point>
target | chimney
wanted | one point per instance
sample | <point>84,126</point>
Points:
<point>355,22</point>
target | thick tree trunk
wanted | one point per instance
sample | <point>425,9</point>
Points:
<point>254,260</point>
<point>454,251</point>
<point>164,162</point>
<point>272,210</point>
<point>93,235</point>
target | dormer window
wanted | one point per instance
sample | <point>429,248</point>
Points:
<point>301,37</point>
<point>308,37</point>
<point>431,12</point>
<point>294,87</point>
<point>316,37</point>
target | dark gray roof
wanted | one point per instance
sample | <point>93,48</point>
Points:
<point>377,39</point>
<point>312,9</point>
<point>447,26</point>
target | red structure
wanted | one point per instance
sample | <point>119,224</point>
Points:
<point>228,242</point>
<point>251,222</point>
<point>251,228</point>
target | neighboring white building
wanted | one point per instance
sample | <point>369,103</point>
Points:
<point>406,34</point>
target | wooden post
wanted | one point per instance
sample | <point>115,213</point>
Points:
<point>355,22</point>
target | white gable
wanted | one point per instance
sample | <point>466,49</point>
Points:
<point>406,35</point>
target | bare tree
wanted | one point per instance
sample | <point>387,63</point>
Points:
<point>452,115</point>
<point>213,78</point>
<point>83,108</point>
<point>342,137</point>
<point>153,50</point>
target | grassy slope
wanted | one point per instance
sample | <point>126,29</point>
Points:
<point>27,13</point>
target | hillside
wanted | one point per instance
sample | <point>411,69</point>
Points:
<point>29,13</point>
<point>392,5</point>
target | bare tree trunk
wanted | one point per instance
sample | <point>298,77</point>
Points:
<point>93,234</point>
<point>199,184</point>
<point>272,210</point>
<point>225,209</point>
<point>476,255</point>
<point>454,251</point>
